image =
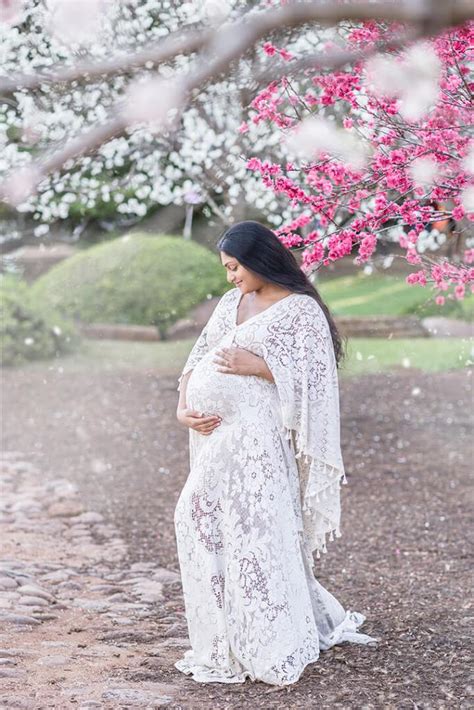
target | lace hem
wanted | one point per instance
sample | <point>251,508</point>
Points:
<point>345,632</point>
<point>206,674</point>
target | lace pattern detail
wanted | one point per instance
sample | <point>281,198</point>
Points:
<point>301,358</point>
<point>245,538</point>
<point>211,334</point>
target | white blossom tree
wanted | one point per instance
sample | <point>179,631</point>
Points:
<point>125,106</point>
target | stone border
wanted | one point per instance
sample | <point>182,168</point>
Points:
<point>363,326</point>
<point>108,331</point>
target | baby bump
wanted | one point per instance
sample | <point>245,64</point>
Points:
<point>231,396</point>
<point>214,392</point>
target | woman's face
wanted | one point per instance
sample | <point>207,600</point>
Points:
<point>238,275</point>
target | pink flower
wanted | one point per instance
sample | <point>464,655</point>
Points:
<point>269,49</point>
<point>355,206</point>
<point>469,256</point>
<point>413,257</point>
<point>458,212</point>
<point>418,277</point>
<point>367,247</point>
<point>253,164</point>
<point>291,240</point>
<point>285,54</point>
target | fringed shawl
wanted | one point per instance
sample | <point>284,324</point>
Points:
<point>300,354</point>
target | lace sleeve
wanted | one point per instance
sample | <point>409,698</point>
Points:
<point>199,349</point>
<point>300,354</point>
<point>210,335</point>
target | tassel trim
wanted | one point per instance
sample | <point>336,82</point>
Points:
<point>328,483</point>
<point>321,541</point>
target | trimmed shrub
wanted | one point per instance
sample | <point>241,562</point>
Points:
<point>29,330</point>
<point>137,279</point>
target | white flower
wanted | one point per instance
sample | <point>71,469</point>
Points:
<point>151,101</point>
<point>424,171</point>
<point>41,230</point>
<point>468,161</point>
<point>467,198</point>
<point>19,185</point>
<point>384,75</point>
<point>75,21</point>
<point>414,78</point>
<point>11,11</point>
<point>216,10</point>
<point>314,136</point>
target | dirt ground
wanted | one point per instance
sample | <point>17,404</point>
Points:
<point>404,558</point>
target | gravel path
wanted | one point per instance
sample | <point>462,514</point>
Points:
<point>108,447</point>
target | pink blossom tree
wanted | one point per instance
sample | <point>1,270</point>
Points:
<point>378,147</point>
<point>374,99</point>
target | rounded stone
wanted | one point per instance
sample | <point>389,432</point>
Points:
<point>90,517</point>
<point>33,601</point>
<point>32,590</point>
<point>8,583</point>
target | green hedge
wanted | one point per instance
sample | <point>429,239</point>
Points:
<point>137,279</point>
<point>29,330</point>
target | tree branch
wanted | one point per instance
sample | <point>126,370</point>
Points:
<point>230,41</point>
<point>179,43</point>
<point>329,60</point>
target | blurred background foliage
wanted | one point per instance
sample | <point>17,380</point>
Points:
<point>373,294</point>
<point>156,280</point>
<point>136,279</point>
<point>29,329</point>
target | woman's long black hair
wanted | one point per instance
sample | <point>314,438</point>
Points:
<point>258,249</point>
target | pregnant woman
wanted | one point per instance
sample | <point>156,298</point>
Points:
<point>259,393</point>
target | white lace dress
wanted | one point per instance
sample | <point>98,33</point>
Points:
<point>253,606</point>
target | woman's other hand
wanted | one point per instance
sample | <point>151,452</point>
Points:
<point>239,361</point>
<point>201,423</point>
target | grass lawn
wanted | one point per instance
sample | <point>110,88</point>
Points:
<point>113,355</point>
<point>357,295</point>
<point>379,294</point>
<point>365,355</point>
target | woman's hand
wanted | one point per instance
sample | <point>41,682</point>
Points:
<point>238,361</point>
<point>198,420</point>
